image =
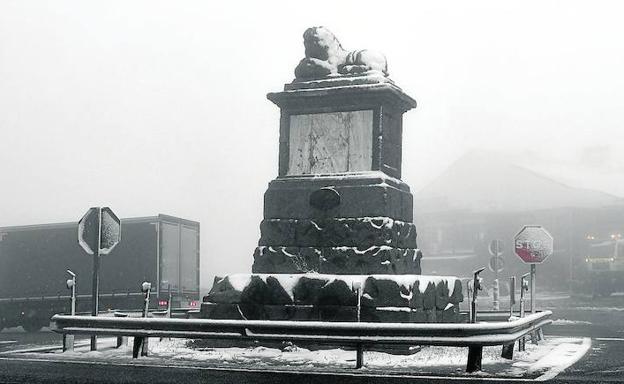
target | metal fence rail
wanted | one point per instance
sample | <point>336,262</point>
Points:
<point>474,336</point>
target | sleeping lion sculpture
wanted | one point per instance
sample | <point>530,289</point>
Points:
<point>324,56</point>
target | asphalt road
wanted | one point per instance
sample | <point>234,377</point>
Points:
<point>601,319</point>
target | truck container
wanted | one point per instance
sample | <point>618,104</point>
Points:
<point>34,259</point>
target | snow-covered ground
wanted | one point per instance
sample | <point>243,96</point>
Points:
<point>542,361</point>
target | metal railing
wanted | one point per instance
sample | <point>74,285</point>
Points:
<point>474,336</point>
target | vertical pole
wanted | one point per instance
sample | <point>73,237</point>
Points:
<point>512,294</point>
<point>145,340</point>
<point>359,348</point>
<point>68,339</point>
<point>169,301</point>
<point>359,358</point>
<point>95,288</point>
<point>73,298</point>
<point>533,288</point>
<point>469,290</point>
<point>359,304</point>
<point>495,301</point>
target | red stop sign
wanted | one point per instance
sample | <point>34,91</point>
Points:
<point>533,244</point>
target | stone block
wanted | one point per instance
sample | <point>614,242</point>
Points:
<point>441,295</point>
<point>362,232</point>
<point>286,260</point>
<point>379,292</point>
<point>368,195</point>
<point>290,312</point>
<point>418,316</point>
<point>337,313</point>
<point>393,315</point>
<point>457,296</point>
<point>337,293</point>
<point>308,289</point>
<point>276,294</point>
<point>220,311</point>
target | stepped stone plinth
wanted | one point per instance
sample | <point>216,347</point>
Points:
<point>338,212</point>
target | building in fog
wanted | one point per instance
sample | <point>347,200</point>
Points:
<point>480,198</point>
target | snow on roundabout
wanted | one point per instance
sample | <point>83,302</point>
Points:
<point>539,362</point>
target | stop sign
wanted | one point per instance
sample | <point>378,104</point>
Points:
<point>533,244</point>
<point>99,230</point>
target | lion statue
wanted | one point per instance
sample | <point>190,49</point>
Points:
<point>324,56</point>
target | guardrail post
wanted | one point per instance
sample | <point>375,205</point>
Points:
<point>508,350</point>
<point>121,340</point>
<point>475,354</point>
<point>359,358</point>
<point>137,345</point>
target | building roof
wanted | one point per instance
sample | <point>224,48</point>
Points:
<point>485,182</point>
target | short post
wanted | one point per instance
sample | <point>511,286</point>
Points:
<point>470,292</point>
<point>495,294</point>
<point>524,286</point>
<point>121,340</point>
<point>476,284</point>
<point>68,340</point>
<point>512,295</point>
<point>508,349</point>
<point>475,355</point>
<point>495,299</point>
<point>169,301</point>
<point>141,343</point>
<point>359,357</point>
<point>533,288</point>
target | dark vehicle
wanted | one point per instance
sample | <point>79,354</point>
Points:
<point>34,260</point>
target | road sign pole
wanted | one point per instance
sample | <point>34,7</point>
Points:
<point>533,288</point>
<point>95,287</point>
<point>495,302</point>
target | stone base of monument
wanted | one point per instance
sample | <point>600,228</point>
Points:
<point>318,297</point>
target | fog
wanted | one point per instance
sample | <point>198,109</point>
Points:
<point>159,107</point>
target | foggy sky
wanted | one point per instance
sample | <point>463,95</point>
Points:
<point>159,107</point>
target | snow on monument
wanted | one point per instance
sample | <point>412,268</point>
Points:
<point>338,215</point>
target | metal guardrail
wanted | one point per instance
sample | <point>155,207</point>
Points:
<point>474,336</point>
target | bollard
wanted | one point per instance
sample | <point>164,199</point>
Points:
<point>524,286</point>
<point>495,291</point>
<point>469,292</point>
<point>140,344</point>
<point>476,284</point>
<point>512,294</point>
<point>68,340</point>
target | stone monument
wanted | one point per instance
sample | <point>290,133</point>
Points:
<point>338,216</point>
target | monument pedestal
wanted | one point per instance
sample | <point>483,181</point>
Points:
<point>338,216</point>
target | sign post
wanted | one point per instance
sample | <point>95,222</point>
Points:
<point>533,244</point>
<point>99,231</point>
<point>496,265</point>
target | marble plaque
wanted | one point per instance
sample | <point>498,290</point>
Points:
<point>330,142</point>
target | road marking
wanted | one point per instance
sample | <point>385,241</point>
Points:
<point>609,338</point>
<point>365,373</point>
<point>564,361</point>
<point>8,342</point>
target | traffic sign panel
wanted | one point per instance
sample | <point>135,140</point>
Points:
<point>99,230</point>
<point>110,231</point>
<point>496,264</point>
<point>496,247</point>
<point>533,244</point>
<point>88,230</point>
